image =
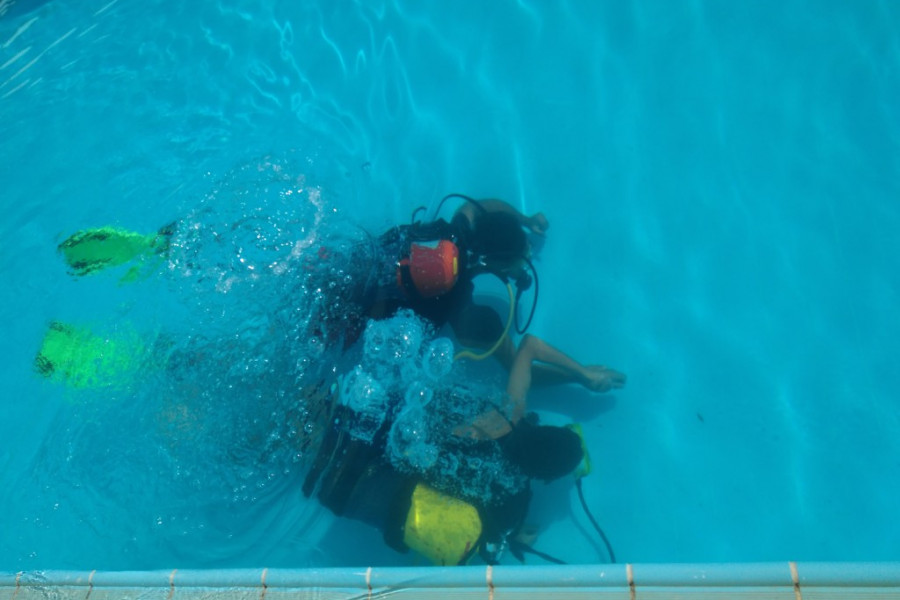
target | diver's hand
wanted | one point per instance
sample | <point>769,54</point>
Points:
<point>598,378</point>
<point>538,223</point>
<point>487,426</point>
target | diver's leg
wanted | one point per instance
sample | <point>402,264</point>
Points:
<point>556,364</point>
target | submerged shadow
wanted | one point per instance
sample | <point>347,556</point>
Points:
<point>571,400</point>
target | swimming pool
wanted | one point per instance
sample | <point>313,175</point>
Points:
<point>720,181</point>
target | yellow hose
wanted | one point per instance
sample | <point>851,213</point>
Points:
<point>466,353</point>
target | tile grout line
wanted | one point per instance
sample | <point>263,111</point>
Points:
<point>171,584</point>
<point>629,572</point>
<point>90,584</point>
<point>262,581</point>
<point>795,578</point>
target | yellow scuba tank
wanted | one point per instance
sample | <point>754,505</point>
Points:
<point>442,528</point>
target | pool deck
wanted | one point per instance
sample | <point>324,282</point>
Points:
<point>782,580</point>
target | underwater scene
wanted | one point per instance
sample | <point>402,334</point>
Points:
<point>413,283</point>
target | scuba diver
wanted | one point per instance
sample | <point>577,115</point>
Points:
<point>429,267</point>
<point>448,477</point>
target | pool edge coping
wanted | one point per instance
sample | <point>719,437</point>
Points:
<point>623,575</point>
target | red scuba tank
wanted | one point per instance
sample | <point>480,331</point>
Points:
<point>433,267</point>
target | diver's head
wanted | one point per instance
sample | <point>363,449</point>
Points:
<point>498,233</point>
<point>500,242</point>
<point>542,451</point>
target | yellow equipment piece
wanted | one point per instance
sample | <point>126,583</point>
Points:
<point>584,468</point>
<point>441,528</point>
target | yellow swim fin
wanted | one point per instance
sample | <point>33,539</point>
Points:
<point>92,250</point>
<point>82,359</point>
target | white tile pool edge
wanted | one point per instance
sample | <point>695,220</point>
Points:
<point>787,580</point>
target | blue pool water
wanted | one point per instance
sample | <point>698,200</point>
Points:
<point>721,181</point>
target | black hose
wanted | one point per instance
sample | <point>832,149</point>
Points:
<point>461,197</point>
<point>415,212</point>
<point>612,555</point>
<point>520,547</point>
<point>522,330</point>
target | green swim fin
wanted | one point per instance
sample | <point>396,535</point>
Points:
<point>82,359</point>
<point>92,250</point>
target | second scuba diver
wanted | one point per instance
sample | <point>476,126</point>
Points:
<point>448,476</point>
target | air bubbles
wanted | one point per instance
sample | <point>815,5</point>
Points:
<point>419,394</point>
<point>375,339</point>
<point>367,399</point>
<point>409,442</point>
<point>393,341</point>
<point>437,359</point>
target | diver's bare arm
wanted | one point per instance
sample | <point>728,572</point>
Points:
<point>493,424</point>
<point>486,426</point>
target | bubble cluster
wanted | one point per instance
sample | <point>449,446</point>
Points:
<point>407,386</point>
<point>409,442</point>
<point>390,364</point>
<point>437,360</point>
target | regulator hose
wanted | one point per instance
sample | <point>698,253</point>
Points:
<point>470,354</point>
